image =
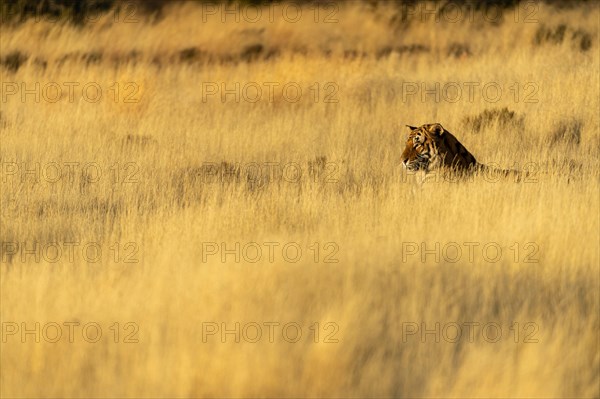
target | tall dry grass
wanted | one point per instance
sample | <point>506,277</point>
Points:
<point>168,199</point>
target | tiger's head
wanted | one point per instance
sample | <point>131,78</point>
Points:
<point>431,146</point>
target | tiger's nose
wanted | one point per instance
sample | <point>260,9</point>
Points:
<point>405,162</point>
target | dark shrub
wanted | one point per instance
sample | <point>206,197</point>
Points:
<point>503,117</point>
<point>567,132</point>
<point>13,61</point>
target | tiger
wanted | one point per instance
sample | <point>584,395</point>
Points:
<point>431,147</point>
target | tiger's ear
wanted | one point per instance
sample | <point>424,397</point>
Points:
<point>437,129</point>
<point>411,127</point>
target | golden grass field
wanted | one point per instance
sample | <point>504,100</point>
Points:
<point>148,183</point>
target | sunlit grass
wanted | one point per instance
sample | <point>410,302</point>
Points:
<point>166,195</point>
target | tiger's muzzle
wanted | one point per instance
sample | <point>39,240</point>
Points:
<point>419,162</point>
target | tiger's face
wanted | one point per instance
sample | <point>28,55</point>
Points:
<point>422,149</point>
